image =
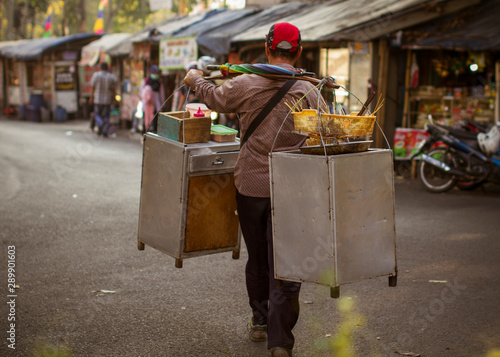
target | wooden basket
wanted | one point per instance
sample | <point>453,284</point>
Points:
<point>333,125</point>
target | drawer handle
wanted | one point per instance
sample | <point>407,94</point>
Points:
<point>218,161</point>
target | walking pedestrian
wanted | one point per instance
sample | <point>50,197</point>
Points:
<point>104,85</point>
<point>157,96</point>
<point>275,307</point>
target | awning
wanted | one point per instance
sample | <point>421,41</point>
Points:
<point>216,42</point>
<point>173,28</point>
<point>472,29</point>
<point>214,21</point>
<point>32,49</point>
<point>4,44</point>
<point>153,33</point>
<point>92,51</point>
<point>333,19</point>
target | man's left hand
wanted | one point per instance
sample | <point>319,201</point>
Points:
<point>191,75</point>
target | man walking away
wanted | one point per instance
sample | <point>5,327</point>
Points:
<point>275,307</point>
<point>104,86</point>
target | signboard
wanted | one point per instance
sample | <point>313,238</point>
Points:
<point>155,5</point>
<point>65,77</point>
<point>176,53</point>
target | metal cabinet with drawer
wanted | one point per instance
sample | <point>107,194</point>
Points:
<point>188,204</point>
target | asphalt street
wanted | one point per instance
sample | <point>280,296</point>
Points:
<point>69,204</point>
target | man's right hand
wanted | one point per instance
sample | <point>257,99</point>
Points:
<point>193,73</point>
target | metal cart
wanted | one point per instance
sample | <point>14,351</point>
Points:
<point>188,204</point>
<point>333,217</point>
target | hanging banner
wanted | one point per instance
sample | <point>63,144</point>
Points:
<point>176,53</point>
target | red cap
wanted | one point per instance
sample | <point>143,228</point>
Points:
<point>283,36</point>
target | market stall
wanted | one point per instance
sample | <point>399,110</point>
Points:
<point>45,68</point>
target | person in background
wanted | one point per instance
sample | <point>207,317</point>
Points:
<point>275,307</point>
<point>104,85</point>
<point>154,81</point>
<point>201,64</point>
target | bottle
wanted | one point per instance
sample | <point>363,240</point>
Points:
<point>199,113</point>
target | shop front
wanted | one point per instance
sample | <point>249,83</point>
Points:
<point>41,75</point>
<point>454,87</point>
<point>452,74</point>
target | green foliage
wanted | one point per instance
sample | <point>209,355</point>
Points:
<point>342,341</point>
<point>44,349</point>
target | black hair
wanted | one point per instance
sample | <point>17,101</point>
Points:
<point>104,66</point>
<point>283,54</point>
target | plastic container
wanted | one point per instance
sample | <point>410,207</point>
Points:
<point>221,133</point>
<point>36,100</point>
<point>60,114</point>
<point>194,107</point>
<point>22,112</point>
<point>33,113</point>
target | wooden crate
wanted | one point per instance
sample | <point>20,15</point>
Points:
<point>178,126</point>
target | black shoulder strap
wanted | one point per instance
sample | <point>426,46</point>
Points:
<point>267,109</point>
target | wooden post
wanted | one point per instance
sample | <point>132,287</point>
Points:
<point>383,52</point>
<point>406,114</point>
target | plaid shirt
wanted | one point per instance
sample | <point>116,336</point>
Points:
<point>104,84</point>
<point>246,95</point>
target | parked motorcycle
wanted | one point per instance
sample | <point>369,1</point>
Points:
<point>452,157</point>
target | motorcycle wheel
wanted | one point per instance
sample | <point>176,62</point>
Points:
<point>469,185</point>
<point>433,178</point>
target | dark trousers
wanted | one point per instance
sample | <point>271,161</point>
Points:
<point>278,307</point>
<point>101,115</point>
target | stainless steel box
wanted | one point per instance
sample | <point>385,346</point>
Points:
<point>333,217</point>
<point>188,204</point>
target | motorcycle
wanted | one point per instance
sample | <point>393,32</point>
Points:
<point>452,157</point>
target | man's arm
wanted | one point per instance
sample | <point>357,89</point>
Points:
<point>92,83</point>
<point>91,99</point>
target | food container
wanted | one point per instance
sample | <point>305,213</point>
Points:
<point>221,133</point>
<point>333,125</point>
<point>193,108</point>
<point>188,199</point>
<point>180,127</point>
<point>333,220</point>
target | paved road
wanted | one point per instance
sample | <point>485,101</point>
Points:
<point>69,206</point>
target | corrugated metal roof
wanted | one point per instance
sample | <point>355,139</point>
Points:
<point>216,42</point>
<point>475,29</point>
<point>32,49</point>
<point>319,21</point>
<point>166,28</point>
<point>4,44</point>
<point>213,22</point>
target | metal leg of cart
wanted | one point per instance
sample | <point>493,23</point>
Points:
<point>393,280</point>
<point>335,292</point>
